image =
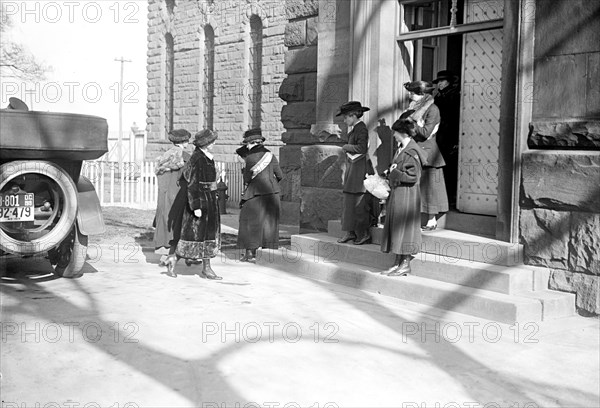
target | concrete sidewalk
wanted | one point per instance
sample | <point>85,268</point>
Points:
<point>127,333</point>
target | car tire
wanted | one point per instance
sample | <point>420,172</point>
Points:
<point>70,255</point>
<point>11,170</point>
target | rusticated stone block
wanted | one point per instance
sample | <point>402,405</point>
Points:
<point>584,245</point>
<point>545,235</point>
<point>290,185</point>
<point>301,8</point>
<point>295,34</point>
<point>301,60</point>
<point>289,157</point>
<point>298,137</point>
<point>562,180</point>
<point>299,115</point>
<point>310,87</point>
<point>312,33</point>
<point>292,88</point>
<point>565,134</point>
<point>585,286</point>
<point>318,206</point>
<point>322,166</point>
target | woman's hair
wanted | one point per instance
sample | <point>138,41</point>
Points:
<point>355,113</point>
<point>406,126</point>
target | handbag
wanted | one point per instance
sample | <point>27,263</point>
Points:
<point>377,185</point>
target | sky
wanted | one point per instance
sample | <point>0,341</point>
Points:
<point>81,40</point>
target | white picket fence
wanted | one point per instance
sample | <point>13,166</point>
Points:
<point>135,184</point>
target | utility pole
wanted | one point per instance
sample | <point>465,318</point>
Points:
<point>120,143</point>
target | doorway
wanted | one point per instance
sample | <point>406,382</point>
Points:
<point>475,57</point>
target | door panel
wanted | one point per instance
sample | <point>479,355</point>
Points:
<point>480,113</point>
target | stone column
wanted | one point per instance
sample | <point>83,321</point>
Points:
<point>332,68</point>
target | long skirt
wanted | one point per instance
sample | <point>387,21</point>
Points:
<point>355,212</point>
<point>169,210</point>
<point>434,199</point>
<point>201,236</point>
<point>402,226</point>
<point>259,222</point>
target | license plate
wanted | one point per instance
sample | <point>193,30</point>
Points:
<point>16,207</point>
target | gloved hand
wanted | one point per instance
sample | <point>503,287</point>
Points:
<point>198,213</point>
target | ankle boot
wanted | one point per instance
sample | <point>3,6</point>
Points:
<point>170,262</point>
<point>249,256</point>
<point>349,236</point>
<point>404,268</point>
<point>207,271</point>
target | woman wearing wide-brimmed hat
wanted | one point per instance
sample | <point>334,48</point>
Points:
<point>260,206</point>
<point>201,226</point>
<point>171,198</point>
<point>355,211</point>
<point>401,230</point>
<point>425,113</point>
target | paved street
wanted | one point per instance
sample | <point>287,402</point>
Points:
<point>125,333</point>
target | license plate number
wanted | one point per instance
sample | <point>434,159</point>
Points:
<point>16,207</point>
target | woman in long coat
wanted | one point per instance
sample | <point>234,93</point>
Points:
<point>355,209</point>
<point>171,198</point>
<point>422,109</point>
<point>201,225</point>
<point>401,230</point>
<point>259,217</point>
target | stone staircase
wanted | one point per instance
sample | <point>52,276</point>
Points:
<point>454,271</point>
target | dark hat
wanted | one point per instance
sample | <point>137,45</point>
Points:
<point>445,74</point>
<point>179,135</point>
<point>406,126</point>
<point>252,135</point>
<point>352,106</point>
<point>205,137</point>
<point>17,104</point>
<point>419,87</point>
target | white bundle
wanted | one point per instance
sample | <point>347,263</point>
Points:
<point>377,185</point>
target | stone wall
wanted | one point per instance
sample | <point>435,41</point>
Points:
<point>230,22</point>
<point>560,220</point>
<point>560,186</point>
<point>298,90</point>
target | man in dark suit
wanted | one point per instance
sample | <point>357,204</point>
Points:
<point>355,212</point>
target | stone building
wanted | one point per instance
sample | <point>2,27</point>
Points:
<point>529,154</point>
<point>215,64</point>
<point>529,164</point>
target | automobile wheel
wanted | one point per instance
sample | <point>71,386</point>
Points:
<point>51,195</point>
<point>69,257</point>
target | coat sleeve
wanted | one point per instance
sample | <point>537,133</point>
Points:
<point>362,141</point>
<point>277,169</point>
<point>407,172</point>
<point>431,118</point>
<point>198,196</point>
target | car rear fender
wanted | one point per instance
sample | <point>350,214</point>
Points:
<point>89,214</point>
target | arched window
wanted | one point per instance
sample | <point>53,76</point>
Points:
<point>169,81</point>
<point>209,76</point>
<point>255,72</point>
<point>170,6</point>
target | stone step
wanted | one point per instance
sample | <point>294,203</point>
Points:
<point>501,279</point>
<point>485,304</point>
<point>452,244</point>
<point>476,224</point>
<point>555,305</point>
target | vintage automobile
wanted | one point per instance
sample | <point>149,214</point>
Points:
<point>47,208</point>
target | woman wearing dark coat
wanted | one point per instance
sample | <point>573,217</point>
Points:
<point>422,109</point>
<point>171,198</point>
<point>259,217</point>
<point>401,230</point>
<point>201,225</point>
<point>355,211</point>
